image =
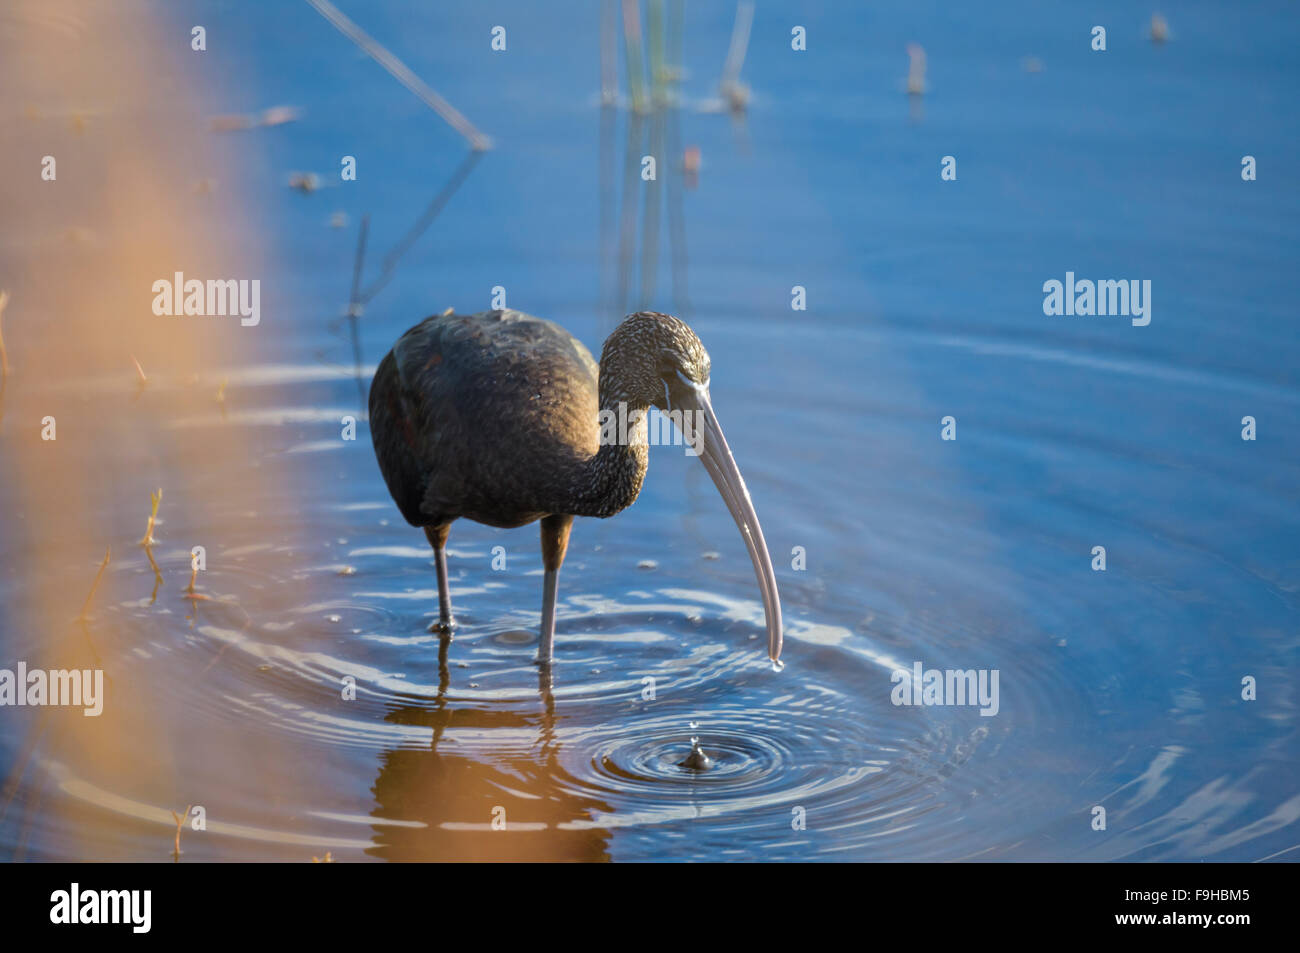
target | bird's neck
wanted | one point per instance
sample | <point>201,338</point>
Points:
<point>610,480</point>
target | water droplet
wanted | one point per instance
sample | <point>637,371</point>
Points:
<point>778,665</point>
<point>697,760</point>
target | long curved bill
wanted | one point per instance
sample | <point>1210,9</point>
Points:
<point>717,459</point>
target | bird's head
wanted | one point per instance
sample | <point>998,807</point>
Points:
<point>655,359</point>
<point>647,356</point>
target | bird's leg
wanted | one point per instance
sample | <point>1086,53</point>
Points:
<point>555,541</point>
<point>438,540</point>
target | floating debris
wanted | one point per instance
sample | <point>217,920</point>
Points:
<point>278,116</point>
<point>327,859</point>
<point>1032,64</point>
<point>736,96</point>
<point>237,122</point>
<point>339,220</point>
<point>711,555</point>
<point>346,571</point>
<point>1159,28</point>
<point>647,564</point>
<point>307,182</point>
<point>691,164</point>
<point>915,69</point>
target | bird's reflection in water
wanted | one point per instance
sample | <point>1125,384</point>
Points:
<point>454,797</point>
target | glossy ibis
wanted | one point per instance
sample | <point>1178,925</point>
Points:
<point>497,417</point>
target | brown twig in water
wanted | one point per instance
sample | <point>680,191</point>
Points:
<point>632,54</point>
<point>402,73</point>
<point>141,380</point>
<point>426,219</point>
<point>191,593</point>
<point>154,498</point>
<point>147,542</point>
<point>4,355</point>
<point>90,644</point>
<point>608,55</point>
<point>157,576</point>
<point>180,822</point>
<point>95,585</point>
<point>734,92</point>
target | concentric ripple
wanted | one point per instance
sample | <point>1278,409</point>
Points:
<point>305,688</point>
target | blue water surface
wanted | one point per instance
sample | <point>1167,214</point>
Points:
<point>1120,689</point>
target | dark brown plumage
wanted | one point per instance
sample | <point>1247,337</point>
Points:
<point>496,417</point>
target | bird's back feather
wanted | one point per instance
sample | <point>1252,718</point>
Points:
<point>483,416</point>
